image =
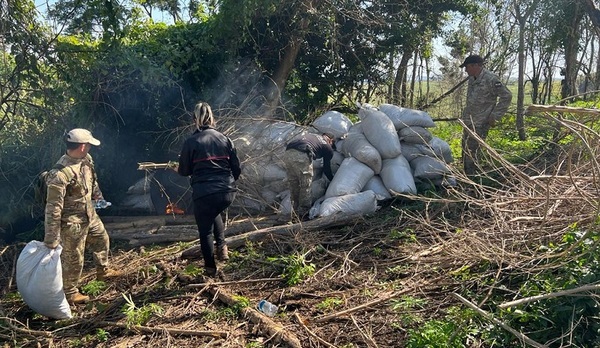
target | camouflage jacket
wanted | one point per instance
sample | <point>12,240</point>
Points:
<point>487,99</point>
<point>69,197</point>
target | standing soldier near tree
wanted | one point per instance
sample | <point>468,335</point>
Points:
<point>487,101</point>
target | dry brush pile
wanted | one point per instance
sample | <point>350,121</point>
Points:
<point>370,283</point>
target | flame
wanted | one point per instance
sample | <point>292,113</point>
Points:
<point>172,208</point>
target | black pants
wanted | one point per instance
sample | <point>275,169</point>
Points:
<point>207,211</point>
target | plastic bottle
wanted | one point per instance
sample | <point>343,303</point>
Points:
<point>101,204</point>
<point>267,307</point>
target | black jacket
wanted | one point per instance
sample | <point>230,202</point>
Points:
<point>211,160</point>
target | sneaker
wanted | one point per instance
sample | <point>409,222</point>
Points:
<point>78,298</point>
<point>223,253</point>
<point>104,273</point>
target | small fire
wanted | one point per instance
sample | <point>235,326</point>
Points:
<point>172,208</point>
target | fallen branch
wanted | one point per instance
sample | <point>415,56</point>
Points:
<point>288,230</point>
<point>9,323</point>
<point>275,330</point>
<point>244,281</point>
<point>312,334</point>
<point>369,305</point>
<point>593,287</point>
<point>147,329</point>
<point>519,335</point>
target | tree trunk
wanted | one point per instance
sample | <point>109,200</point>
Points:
<point>521,76</point>
<point>399,88</point>
<point>273,91</point>
<point>571,48</point>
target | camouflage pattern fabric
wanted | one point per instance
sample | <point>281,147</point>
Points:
<point>299,170</point>
<point>488,100</point>
<point>70,218</point>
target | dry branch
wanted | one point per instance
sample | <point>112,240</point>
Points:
<point>371,304</point>
<point>590,287</point>
<point>288,230</point>
<point>171,331</point>
<point>534,108</point>
<point>488,316</point>
<point>282,230</point>
<point>273,329</point>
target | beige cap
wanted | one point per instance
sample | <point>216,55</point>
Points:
<point>82,136</point>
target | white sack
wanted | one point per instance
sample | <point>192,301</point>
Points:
<point>428,168</point>
<point>333,122</point>
<point>285,207</point>
<point>415,135</point>
<point>410,151</point>
<point>336,161</point>
<point>380,132</point>
<point>318,188</point>
<point>397,175</point>
<point>273,172</point>
<point>376,185</point>
<point>357,203</point>
<point>402,117</point>
<point>441,149</point>
<point>350,178</point>
<point>39,280</point>
<point>356,145</point>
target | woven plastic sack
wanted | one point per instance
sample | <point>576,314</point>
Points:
<point>357,203</point>
<point>402,117</point>
<point>39,280</point>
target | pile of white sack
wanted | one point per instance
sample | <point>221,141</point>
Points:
<point>386,153</point>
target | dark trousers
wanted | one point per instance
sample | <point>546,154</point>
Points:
<point>207,211</point>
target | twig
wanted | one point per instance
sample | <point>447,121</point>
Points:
<point>488,316</point>
<point>368,338</point>
<point>368,304</point>
<point>312,334</point>
<point>592,287</point>
<point>243,281</point>
<point>11,326</point>
<point>216,334</point>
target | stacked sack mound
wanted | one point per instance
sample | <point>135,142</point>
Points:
<point>389,151</point>
<point>386,153</point>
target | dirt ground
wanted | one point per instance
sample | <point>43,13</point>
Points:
<point>351,298</point>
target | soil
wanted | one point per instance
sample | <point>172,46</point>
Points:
<point>354,293</point>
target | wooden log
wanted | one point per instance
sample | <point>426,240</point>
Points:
<point>266,325</point>
<point>288,230</point>
<point>139,231</point>
<point>282,230</point>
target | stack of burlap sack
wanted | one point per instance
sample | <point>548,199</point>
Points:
<point>388,152</point>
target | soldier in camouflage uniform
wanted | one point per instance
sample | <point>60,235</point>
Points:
<point>70,217</point>
<point>487,101</point>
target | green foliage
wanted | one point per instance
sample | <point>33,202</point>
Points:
<point>94,287</point>
<point>135,315</point>
<point>330,304</point>
<point>406,303</point>
<point>295,268</point>
<point>102,335</point>
<point>193,270</point>
<point>435,334</point>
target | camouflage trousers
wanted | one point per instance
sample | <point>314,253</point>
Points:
<point>471,149</point>
<point>299,170</point>
<point>75,238</point>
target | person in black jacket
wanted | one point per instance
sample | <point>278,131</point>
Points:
<point>210,158</point>
<point>299,155</point>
